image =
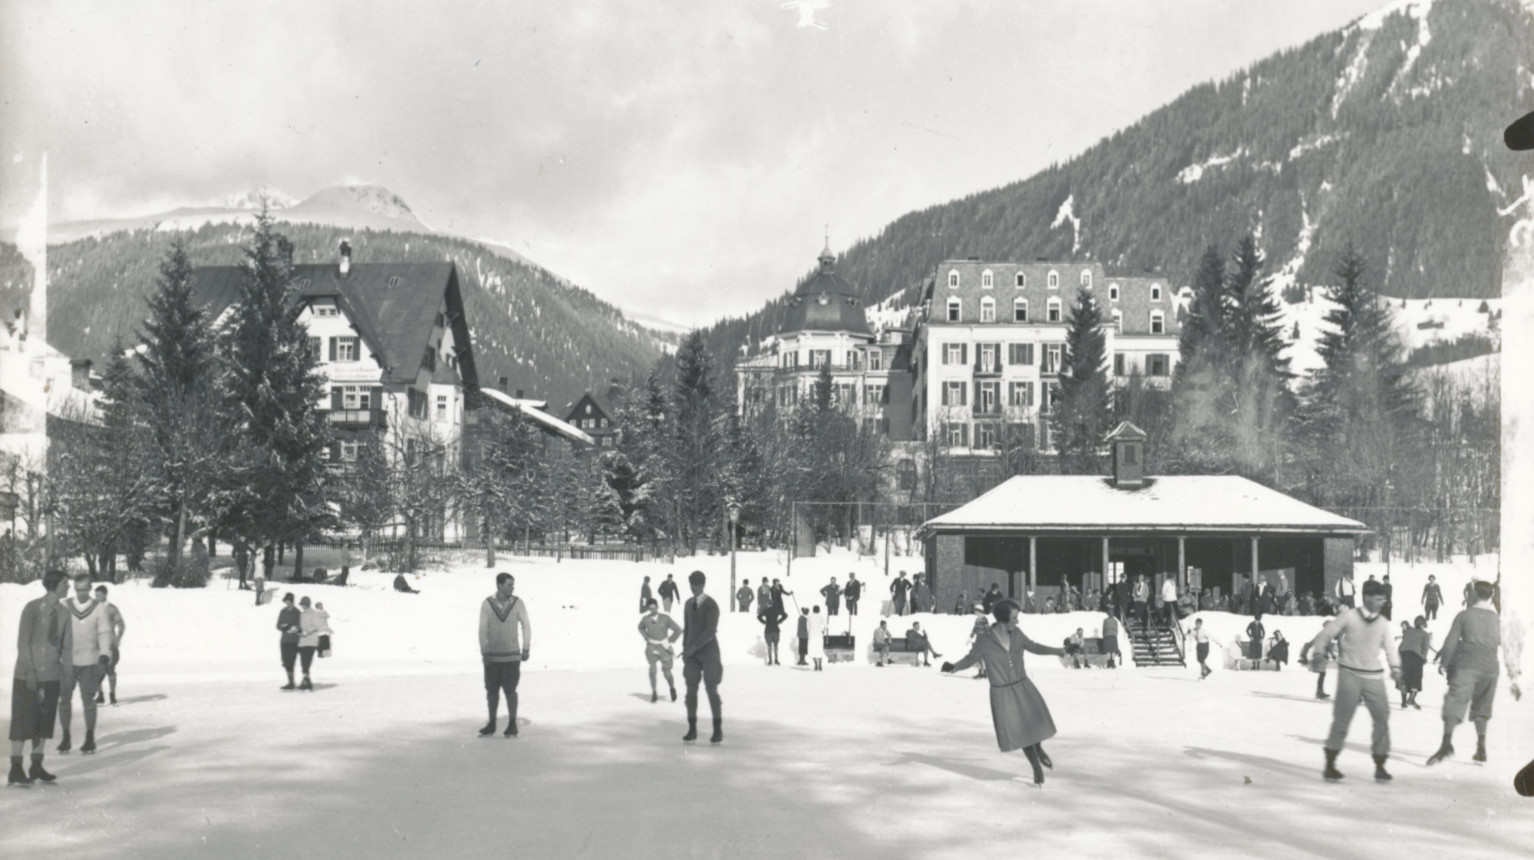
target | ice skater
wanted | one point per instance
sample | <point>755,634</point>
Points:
<point>1432,598</point>
<point>1416,646</point>
<point>668,592</point>
<point>802,633</point>
<point>288,625</point>
<point>882,642</point>
<point>977,630</point>
<point>898,590</point>
<point>700,657</point>
<point>1018,712</point>
<point>743,596</point>
<point>43,654</point>
<point>644,594</point>
<point>660,633</point>
<point>1362,635</point>
<point>817,637</point>
<point>852,593</point>
<point>1469,656</point>
<point>119,627</point>
<point>312,624</point>
<point>1200,637</point>
<point>1254,636</point>
<point>505,643</point>
<point>772,617</point>
<point>1111,641</point>
<point>91,633</point>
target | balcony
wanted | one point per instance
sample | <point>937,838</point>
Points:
<point>987,370</point>
<point>358,417</point>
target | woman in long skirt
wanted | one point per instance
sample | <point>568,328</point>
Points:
<point>1416,643</point>
<point>1018,712</point>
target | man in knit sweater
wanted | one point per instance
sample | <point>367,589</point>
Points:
<point>44,648</point>
<point>1469,655</point>
<point>92,634</point>
<point>700,657</point>
<point>1362,634</point>
<point>505,641</point>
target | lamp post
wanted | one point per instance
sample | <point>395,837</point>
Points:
<point>734,508</point>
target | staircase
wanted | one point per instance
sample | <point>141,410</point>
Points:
<point>1157,645</point>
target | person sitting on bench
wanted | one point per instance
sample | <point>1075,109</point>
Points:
<point>882,642</point>
<point>1075,648</point>
<point>401,585</point>
<point>916,641</point>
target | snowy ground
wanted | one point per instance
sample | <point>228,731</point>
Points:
<point>204,757</point>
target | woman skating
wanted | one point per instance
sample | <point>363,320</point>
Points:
<point>1018,711</point>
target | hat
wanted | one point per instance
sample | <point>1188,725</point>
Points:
<point>1372,588</point>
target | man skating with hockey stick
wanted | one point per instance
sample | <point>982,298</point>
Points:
<point>1362,635</point>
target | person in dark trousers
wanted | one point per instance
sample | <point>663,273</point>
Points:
<point>44,648</point>
<point>1362,635</point>
<point>91,634</point>
<point>1278,650</point>
<point>288,623</point>
<point>743,596</point>
<point>991,598</point>
<point>1111,642</point>
<point>402,585</point>
<point>119,627</point>
<point>1344,591</point>
<point>778,592</point>
<point>1018,712</point>
<point>312,624</point>
<point>668,592</point>
<point>764,596</point>
<point>1200,638</point>
<point>898,590</point>
<point>1389,598</point>
<point>645,595</point>
<point>802,631</point>
<point>1075,648</point>
<point>1432,598</point>
<point>1416,645</point>
<point>853,592</point>
<point>505,643</point>
<point>833,595</point>
<point>660,633</point>
<point>916,640</point>
<point>1469,657</point>
<point>1255,633</point>
<point>772,617</point>
<point>980,628</point>
<point>1141,597</point>
<point>700,657</point>
<point>882,642</point>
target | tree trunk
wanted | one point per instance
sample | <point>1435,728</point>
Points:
<point>173,557</point>
<point>298,559</point>
<point>410,546</point>
<point>281,551</point>
<point>489,544</point>
<point>90,564</point>
<point>241,560</point>
<point>212,544</point>
<point>269,561</point>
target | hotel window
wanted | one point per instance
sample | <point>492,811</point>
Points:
<point>1020,353</point>
<point>356,397</point>
<point>1156,364</point>
<point>819,357</point>
<point>1054,280</point>
<point>1118,364</point>
<point>1051,396</point>
<point>953,310</point>
<point>988,309</point>
<point>1021,280</point>
<point>955,394</point>
<point>876,359</point>
<point>1118,320</point>
<point>1052,352</point>
<point>956,434</point>
<point>1086,278</point>
<point>314,347</point>
<point>985,434</point>
<point>343,349</point>
<point>441,407</point>
<point>873,394</point>
<point>987,395</point>
<point>1054,310</point>
<point>954,353</point>
<point>953,279</point>
<point>986,354</point>
<point>1113,292</point>
<point>1021,394</point>
<point>1155,292</point>
<point>1019,310</point>
<point>1158,322</point>
<point>987,280</point>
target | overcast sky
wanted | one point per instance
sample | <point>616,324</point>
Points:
<point>677,158</point>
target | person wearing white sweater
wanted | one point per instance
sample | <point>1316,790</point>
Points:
<point>92,632</point>
<point>505,641</point>
<point>1362,634</point>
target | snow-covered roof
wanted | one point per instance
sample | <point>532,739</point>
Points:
<point>534,409</point>
<point>1170,504</point>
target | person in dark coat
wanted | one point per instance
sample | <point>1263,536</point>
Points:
<point>644,594</point>
<point>1018,712</point>
<point>853,592</point>
<point>802,630</point>
<point>898,590</point>
<point>1432,596</point>
<point>1278,650</point>
<point>764,596</point>
<point>1389,598</point>
<point>1255,633</point>
<point>991,598</point>
<point>772,617</point>
<point>777,595</point>
<point>668,592</point>
<point>403,585</point>
<point>744,595</point>
<point>700,657</point>
<point>1111,641</point>
<point>833,595</point>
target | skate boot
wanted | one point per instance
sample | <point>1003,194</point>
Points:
<point>1480,751</point>
<point>307,684</point>
<point>90,743</point>
<point>488,730</point>
<point>1044,757</point>
<point>64,745</point>
<point>113,697</point>
<point>1331,773</point>
<point>1445,751</point>
<point>18,774</point>
<point>511,729</point>
<point>1380,774</point>
<point>673,694</point>
<point>718,736</point>
<point>654,697</point>
<point>101,698</point>
<point>692,732</point>
<point>37,774</point>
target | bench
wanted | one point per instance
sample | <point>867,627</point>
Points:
<point>1092,653</point>
<point>900,651</point>
<point>840,647</point>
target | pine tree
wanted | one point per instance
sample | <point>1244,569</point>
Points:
<point>697,443</point>
<point>1262,403</point>
<point>1082,410</point>
<point>1201,391</point>
<point>273,390</point>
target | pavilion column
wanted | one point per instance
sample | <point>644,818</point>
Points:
<point>1182,561</point>
<point>1033,562</point>
<point>1255,568</point>
<point>1105,558</point>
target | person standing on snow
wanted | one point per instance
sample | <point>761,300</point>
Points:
<point>743,596</point>
<point>91,633</point>
<point>668,592</point>
<point>1018,712</point>
<point>119,627</point>
<point>645,596</point>
<point>660,633</point>
<point>312,624</point>
<point>44,649</point>
<point>700,657</point>
<point>898,590</point>
<point>817,635</point>
<point>505,643</point>
<point>1200,636</point>
<point>288,624</point>
<point>1432,596</point>
<point>1469,656</point>
<point>833,595</point>
<point>802,632</point>
<point>853,592</point>
<point>1362,634</point>
<point>764,596</point>
<point>772,617</point>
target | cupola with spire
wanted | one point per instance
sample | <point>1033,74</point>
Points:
<point>825,302</point>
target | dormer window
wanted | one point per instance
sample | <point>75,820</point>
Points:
<point>953,279</point>
<point>326,310</point>
<point>1118,321</point>
<point>1086,278</point>
<point>953,310</point>
<point>1158,322</point>
<point>1155,292</point>
<point>988,309</point>
<point>1022,280</point>
<point>1020,310</point>
<point>1113,292</point>
<point>987,280</point>
<point>1054,310</point>
<point>1054,280</point>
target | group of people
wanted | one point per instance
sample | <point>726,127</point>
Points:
<point>63,643</point>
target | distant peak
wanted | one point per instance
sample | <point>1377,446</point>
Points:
<point>373,197</point>
<point>1411,8</point>
<point>253,198</point>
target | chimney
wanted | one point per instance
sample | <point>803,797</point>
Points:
<point>518,395</point>
<point>346,257</point>
<point>1128,442</point>
<point>504,382</point>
